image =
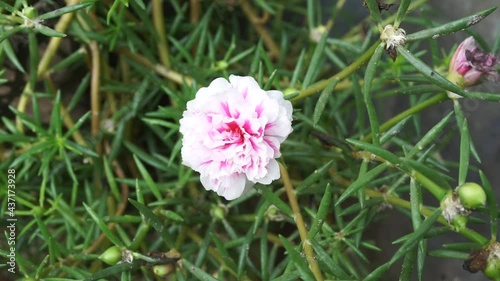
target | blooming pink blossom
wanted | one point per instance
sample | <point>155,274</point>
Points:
<point>469,64</point>
<point>232,133</point>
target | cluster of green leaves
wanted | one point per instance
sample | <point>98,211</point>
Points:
<point>115,176</point>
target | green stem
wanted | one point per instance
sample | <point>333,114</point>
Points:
<point>346,72</point>
<point>466,232</point>
<point>431,186</point>
<point>416,109</point>
<point>142,231</point>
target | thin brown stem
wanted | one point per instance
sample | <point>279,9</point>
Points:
<point>306,244</point>
<point>257,22</point>
<point>95,95</point>
<point>44,64</point>
<point>159,23</point>
<point>158,68</point>
<point>194,11</point>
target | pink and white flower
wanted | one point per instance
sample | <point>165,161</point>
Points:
<point>232,133</point>
<point>469,64</point>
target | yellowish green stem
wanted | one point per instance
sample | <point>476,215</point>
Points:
<point>159,23</point>
<point>258,24</point>
<point>466,232</point>
<point>346,72</point>
<point>413,110</point>
<point>158,68</point>
<point>306,244</point>
<point>44,64</point>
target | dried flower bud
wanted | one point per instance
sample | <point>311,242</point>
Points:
<point>316,34</point>
<point>476,261</point>
<point>453,208</point>
<point>469,64</point>
<point>392,37</point>
<point>274,214</point>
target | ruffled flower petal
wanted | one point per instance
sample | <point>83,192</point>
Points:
<point>232,132</point>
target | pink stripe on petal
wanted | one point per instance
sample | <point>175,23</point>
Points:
<point>244,92</point>
<point>225,108</point>
<point>259,109</point>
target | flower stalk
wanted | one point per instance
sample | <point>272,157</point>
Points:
<point>299,221</point>
<point>258,24</point>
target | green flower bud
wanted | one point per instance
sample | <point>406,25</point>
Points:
<point>163,270</point>
<point>221,65</point>
<point>274,214</point>
<point>492,269</point>
<point>292,92</point>
<point>459,222</point>
<point>218,212</point>
<point>30,12</point>
<point>112,255</point>
<point>471,195</point>
<point>37,211</point>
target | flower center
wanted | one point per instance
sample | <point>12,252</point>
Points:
<point>234,134</point>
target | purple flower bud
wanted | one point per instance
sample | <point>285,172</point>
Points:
<point>469,64</point>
